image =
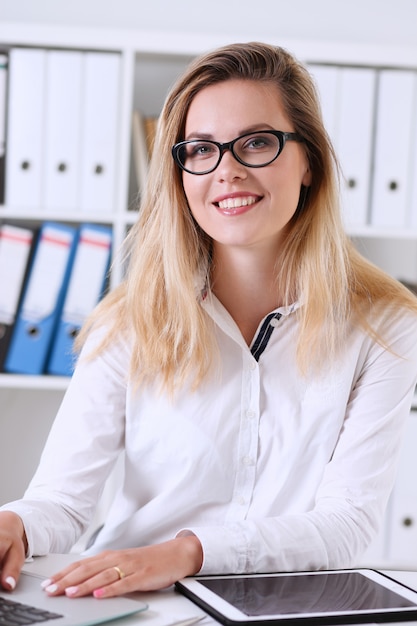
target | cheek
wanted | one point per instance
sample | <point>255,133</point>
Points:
<point>187,186</point>
<point>194,192</point>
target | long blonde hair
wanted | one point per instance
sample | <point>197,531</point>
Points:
<point>158,303</point>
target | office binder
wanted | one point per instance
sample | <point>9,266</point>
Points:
<point>15,247</point>
<point>354,141</point>
<point>63,105</point>
<point>412,203</point>
<point>100,116</point>
<point>327,80</point>
<point>42,299</point>
<point>85,287</point>
<point>4,62</point>
<point>25,128</point>
<point>403,501</point>
<point>393,148</point>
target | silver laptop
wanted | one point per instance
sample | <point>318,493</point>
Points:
<point>60,610</point>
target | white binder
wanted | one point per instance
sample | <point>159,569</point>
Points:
<point>354,141</point>
<point>25,128</point>
<point>393,148</point>
<point>403,527</point>
<point>63,130</point>
<point>99,153</point>
<point>327,80</point>
<point>412,201</point>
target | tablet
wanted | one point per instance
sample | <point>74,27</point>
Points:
<point>302,598</point>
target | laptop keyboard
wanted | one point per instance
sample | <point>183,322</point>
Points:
<point>17,614</point>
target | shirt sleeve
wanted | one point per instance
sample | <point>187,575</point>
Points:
<point>351,499</point>
<point>82,447</point>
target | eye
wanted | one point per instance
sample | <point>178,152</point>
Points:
<point>201,150</point>
<point>259,142</point>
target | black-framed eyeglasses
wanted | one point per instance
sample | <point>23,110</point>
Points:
<point>257,149</point>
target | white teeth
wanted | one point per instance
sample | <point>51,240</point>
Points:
<point>234,203</point>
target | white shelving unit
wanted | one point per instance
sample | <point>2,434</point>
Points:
<point>150,62</point>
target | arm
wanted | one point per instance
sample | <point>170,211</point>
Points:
<point>345,511</point>
<point>80,452</point>
<point>115,572</point>
<point>350,500</point>
<point>342,495</point>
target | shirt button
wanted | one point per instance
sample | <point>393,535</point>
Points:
<point>252,365</point>
<point>247,460</point>
<point>274,322</point>
<point>250,414</point>
<point>240,500</point>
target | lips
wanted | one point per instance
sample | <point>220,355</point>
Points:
<point>235,203</point>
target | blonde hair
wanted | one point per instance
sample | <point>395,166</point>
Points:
<point>158,303</point>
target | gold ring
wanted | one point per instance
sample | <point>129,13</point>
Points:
<point>120,572</point>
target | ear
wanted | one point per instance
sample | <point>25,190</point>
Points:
<point>306,180</point>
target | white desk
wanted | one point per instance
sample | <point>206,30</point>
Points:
<point>168,606</point>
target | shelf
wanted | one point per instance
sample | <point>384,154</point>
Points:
<point>374,232</point>
<point>62,216</point>
<point>45,382</point>
<point>187,43</point>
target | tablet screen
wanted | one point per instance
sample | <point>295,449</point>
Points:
<point>344,592</point>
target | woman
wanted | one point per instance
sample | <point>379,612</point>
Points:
<point>254,369</point>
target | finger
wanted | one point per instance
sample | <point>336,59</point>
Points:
<point>106,579</point>
<point>114,589</point>
<point>129,582</point>
<point>72,574</point>
<point>140,579</point>
<point>82,580</point>
<point>12,564</point>
<point>13,545</point>
<point>55,584</point>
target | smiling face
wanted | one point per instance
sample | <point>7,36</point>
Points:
<point>237,205</point>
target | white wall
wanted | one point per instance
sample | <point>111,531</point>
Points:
<point>365,21</point>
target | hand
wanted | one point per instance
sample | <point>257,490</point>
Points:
<point>116,572</point>
<point>13,547</point>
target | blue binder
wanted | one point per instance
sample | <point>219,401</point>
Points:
<point>42,299</point>
<point>85,288</point>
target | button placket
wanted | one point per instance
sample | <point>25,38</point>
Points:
<point>248,442</point>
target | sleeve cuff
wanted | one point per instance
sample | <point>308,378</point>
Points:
<point>225,549</point>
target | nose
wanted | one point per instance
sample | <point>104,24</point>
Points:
<point>229,167</point>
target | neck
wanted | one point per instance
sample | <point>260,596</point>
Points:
<point>246,285</point>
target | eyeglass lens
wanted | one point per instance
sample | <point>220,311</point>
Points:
<point>257,149</point>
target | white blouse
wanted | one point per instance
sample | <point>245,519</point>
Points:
<point>271,470</point>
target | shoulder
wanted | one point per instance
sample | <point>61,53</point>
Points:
<point>395,329</point>
<point>396,318</point>
<point>106,343</point>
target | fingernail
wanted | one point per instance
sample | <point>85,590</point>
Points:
<point>51,588</point>
<point>71,591</point>
<point>46,583</point>
<point>98,593</point>
<point>11,582</point>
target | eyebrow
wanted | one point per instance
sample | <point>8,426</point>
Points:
<point>210,137</point>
